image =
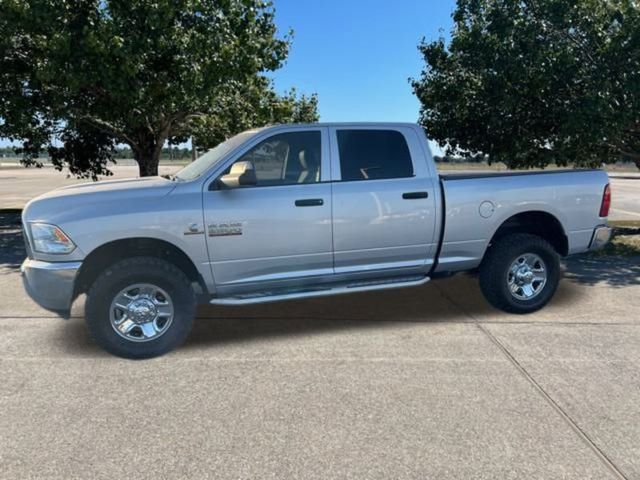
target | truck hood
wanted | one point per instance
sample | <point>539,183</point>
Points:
<point>108,186</point>
<point>62,203</point>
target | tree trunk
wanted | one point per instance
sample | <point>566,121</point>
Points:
<point>637,162</point>
<point>148,161</point>
<point>148,150</point>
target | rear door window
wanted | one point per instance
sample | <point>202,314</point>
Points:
<point>373,155</point>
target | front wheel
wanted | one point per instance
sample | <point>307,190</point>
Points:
<point>140,308</point>
<point>520,273</point>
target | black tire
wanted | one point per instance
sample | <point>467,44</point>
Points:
<point>494,272</point>
<point>131,271</point>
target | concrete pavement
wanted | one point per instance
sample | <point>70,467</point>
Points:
<point>428,382</point>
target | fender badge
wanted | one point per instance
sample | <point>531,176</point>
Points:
<point>193,229</point>
<point>225,229</point>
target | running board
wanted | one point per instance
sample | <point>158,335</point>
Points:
<point>323,291</point>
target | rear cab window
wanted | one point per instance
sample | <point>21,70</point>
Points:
<point>371,154</point>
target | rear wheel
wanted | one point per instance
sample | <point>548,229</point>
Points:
<point>520,273</point>
<point>140,308</point>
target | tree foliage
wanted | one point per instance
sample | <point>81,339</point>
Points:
<point>254,104</point>
<point>79,77</point>
<point>534,82</point>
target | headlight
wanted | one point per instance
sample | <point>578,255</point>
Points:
<point>50,239</point>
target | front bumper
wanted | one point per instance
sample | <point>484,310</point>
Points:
<point>50,284</point>
<point>601,236</point>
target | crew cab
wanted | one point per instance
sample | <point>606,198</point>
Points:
<point>296,211</point>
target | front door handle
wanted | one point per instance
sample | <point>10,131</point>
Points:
<point>310,202</point>
<point>414,195</point>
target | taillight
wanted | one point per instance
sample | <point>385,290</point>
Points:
<point>606,201</point>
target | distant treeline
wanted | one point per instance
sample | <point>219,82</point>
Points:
<point>174,153</point>
<point>452,159</point>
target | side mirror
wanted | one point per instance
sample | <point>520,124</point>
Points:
<point>241,174</point>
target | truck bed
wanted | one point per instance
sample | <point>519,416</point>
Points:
<point>477,204</point>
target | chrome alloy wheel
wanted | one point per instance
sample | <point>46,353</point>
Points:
<point>141,312</point>
<point>527,276</point>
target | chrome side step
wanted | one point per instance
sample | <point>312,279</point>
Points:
<point>322,291</point>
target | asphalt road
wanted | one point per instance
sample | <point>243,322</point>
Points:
<point>625,203</point>
<point>18,185</point>
<point>421,383</point>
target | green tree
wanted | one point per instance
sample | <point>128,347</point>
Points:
<point>253,105</point>
<point>78,78</point>
<point>534,82</point>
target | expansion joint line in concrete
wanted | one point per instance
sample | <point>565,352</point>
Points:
<point>576,428</point>
<point>567,418</point>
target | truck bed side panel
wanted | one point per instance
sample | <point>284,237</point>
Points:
<point>573,197</point>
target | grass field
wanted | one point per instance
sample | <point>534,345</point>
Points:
<point>625,223</point>
<point>621,245</point>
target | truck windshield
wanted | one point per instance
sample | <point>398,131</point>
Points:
<point>213,156</point>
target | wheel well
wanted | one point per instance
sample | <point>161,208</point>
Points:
<point>538,223</point>
<point>111,252</point>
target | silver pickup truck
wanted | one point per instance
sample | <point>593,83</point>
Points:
<point>290,212</point>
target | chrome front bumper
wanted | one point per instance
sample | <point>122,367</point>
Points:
<point>601,236</point>
<point>50,284</point>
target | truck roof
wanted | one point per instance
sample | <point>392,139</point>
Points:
<point>346,124</point>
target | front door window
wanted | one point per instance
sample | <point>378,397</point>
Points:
<point>287,159</point>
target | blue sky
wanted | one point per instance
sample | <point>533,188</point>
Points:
<point>357,55</point>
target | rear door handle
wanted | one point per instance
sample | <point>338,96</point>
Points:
<point>414,195</point>
<point>310,202</point>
